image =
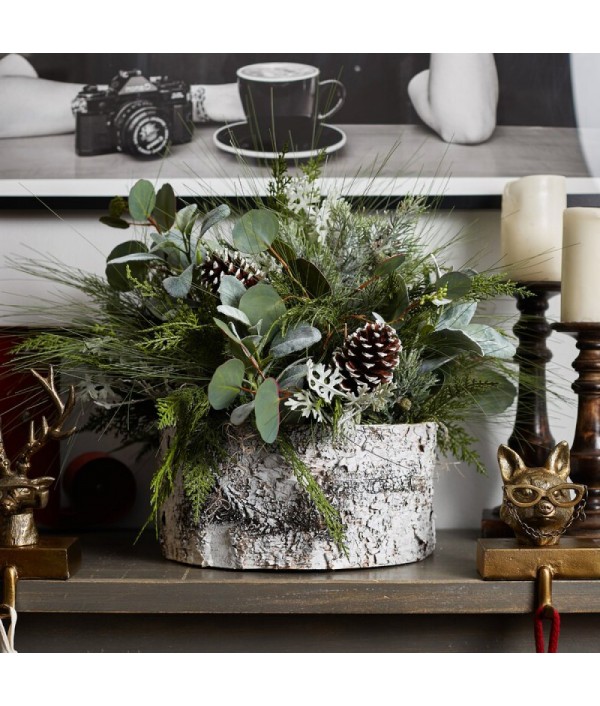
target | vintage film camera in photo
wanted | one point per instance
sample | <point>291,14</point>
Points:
<point>133,114</point>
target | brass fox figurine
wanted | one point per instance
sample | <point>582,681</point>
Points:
<point>539,504</point>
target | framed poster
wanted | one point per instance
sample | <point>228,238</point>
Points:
<point>90,125</point>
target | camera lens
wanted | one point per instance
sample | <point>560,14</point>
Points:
<point>141,129</point>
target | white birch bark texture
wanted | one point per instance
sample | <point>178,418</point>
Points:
<point>379,477</point>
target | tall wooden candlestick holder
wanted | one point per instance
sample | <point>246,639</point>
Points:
<point>585,450</point>
<point>531,437</point>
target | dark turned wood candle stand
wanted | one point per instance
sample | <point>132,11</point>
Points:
<point>585,451</point>
<point>531,437</point>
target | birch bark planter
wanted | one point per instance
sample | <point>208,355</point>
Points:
<point>379,477</point>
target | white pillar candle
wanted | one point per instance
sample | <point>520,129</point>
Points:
<point>531,227</point>
<point>580,299</point>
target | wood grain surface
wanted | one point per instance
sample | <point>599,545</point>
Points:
<point>117,576</point>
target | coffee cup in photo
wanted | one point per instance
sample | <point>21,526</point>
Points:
<point>278,93</point>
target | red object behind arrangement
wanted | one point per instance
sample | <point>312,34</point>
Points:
<point>101,490</point>
<point>22,400</point>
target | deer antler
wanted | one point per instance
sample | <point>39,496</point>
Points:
<point>5,469</point>
<point>56,431</point>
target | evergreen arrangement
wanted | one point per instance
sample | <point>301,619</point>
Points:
<point>302,310</point>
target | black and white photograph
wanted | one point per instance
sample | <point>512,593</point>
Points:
<point>458,124</point>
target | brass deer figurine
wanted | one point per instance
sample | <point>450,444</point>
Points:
<point>539,502</point>
<point>20,495</point>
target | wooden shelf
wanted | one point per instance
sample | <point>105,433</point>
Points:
<point>118,576</point>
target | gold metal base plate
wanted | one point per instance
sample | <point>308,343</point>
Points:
<point>572,558</point>
<point>51,558</point>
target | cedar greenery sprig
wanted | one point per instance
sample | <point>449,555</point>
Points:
<point>306,480</point>
<point>195,448</point>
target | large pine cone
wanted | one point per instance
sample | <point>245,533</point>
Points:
<point>368,356</point>
<point>228,263</point>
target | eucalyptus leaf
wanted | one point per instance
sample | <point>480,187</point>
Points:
<point>252,343</point>
<point>430,364</point>
<point>293,376</point>
<point>213,217</point>
<point>388,266</point>
<point>233,313</point>
<point>255,231</point>
<point>185,218</point>
<point>262,302</point>
<point>144,256</point>
<point>142,200</point>
<point>311,277</point>
<point>245,349</point>
<point>227,330</point>
<point>114,222</point>
<point>267,410</point>
<point>456,316</point>
<point>496,399</point>
<point>179,286</point>
<point>170,246</point>
<point>450,343</point>
<point>458,284</point>
<point>241,413</point>
<point>174,258</point>
<point>296,339</point>
<point>490,341</point>
<point>170,237</point>
<point>231,290</point>
<point>225,383</point>
<point>164,210</point>
<point>119,260</point>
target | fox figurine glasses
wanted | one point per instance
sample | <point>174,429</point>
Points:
<point>564,495</point>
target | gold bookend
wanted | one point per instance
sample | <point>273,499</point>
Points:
<point>505,559</point>
<point>50,558</point>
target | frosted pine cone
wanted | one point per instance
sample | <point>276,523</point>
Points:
<point>228,263</point>
<point>368,357</point>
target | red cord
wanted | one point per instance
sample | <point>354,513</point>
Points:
<point>538,630</point>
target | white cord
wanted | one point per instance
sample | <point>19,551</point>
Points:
<point>7,640</point>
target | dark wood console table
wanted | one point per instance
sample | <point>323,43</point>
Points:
<point>126,597</point>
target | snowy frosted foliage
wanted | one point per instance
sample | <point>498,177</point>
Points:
<point>304,198</point>
<point>323,380</point>
<point>305,402</point>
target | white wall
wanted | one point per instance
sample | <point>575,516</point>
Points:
<point>79,239</point>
